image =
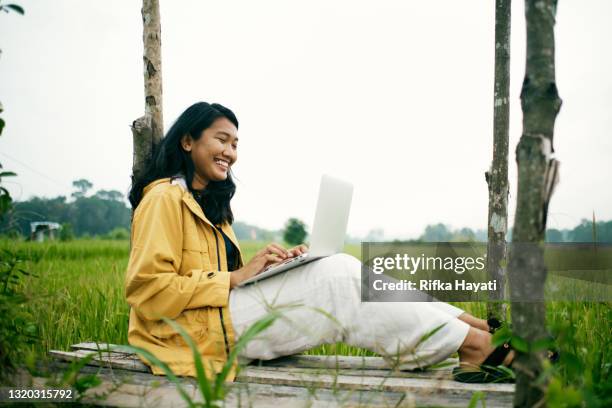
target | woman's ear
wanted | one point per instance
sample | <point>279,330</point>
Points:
<point>186,142</point>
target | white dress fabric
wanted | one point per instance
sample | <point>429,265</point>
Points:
<point>321,304</point>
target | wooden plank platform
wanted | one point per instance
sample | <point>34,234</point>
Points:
<point>313,381</point>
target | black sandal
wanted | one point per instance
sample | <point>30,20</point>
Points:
<point>490,371</point>
<point>495,324</point>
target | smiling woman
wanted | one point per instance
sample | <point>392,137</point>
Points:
<point>201,147</point>
<point>213,153</point>
<point>185,264</point>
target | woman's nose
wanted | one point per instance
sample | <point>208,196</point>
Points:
<point>230,152</point>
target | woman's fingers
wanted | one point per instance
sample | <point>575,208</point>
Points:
<point>298,250</point>
<point>271,260</point>
<point>275,248</point>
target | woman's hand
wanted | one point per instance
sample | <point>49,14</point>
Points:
<point>298,250</point>
<point>270,255</point>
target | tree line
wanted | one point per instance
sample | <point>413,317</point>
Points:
<point>102,213</point>
<point>586,231</point>
<point>105,214</point>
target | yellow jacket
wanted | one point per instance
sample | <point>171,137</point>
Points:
<point>178,269</point>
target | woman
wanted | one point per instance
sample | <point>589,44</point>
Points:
<point>185,264</point>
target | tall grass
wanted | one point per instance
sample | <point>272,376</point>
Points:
<point>79,296</point>
<point>78,292</point>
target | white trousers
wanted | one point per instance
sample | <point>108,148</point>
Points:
<point>321,303</point>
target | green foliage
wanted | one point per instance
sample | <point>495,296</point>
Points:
<point>95,215</point>
<point>586,231</point>
<point>443,233</point>
<point>554,235</point>
<point>82,298</point>
<point>583,333</point>
<point>476,397</point>
<point>17,327</point>
<point>111,195</point>
<point>80,294</point>
<point>71,378</point>
<point>66,232</point>
<point>437,233</point>
<point>118,234</point>
<point>82,187</point>
<point>5,197</point>
<point>295,232</point>
<point>2,123</point>
<point>12,7</point>
<point>583,372</point>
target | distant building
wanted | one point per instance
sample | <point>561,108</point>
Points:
<point>41,230</point>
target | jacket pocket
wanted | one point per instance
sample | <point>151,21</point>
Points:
<point>193,321</point>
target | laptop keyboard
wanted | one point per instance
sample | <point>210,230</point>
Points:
<point>288,261</point>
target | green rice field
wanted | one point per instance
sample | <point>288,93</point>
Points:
<point>76,295</point>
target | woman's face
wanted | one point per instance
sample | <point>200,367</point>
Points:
<point>213,153</point>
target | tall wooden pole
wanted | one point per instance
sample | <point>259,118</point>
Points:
<point>497,176</point>
<point>148,130</point>
<point>537,176</point>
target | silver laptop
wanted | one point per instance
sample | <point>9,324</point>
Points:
<point>328,228</point>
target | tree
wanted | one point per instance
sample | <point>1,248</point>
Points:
<point>110,195</point>
<point>554,235</point>
<point>537,176</point>
<point>463,235</point>
<point>148,130</point>
<point>295,232</point>
<point>87,215</point>
<point>66,232</point>
<point>497,176</point>
<point>437,233</point>
<point>82,186</point>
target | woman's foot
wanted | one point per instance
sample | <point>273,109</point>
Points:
<point>474,321</point>
<point>476,348</point>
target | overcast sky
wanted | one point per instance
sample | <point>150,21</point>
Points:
<point>395,96</point>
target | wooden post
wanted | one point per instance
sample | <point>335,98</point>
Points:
<point>148,130</point>
<point>497,176</point>
<point>537,176</point>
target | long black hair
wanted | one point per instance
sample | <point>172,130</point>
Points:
<point>169,159</point>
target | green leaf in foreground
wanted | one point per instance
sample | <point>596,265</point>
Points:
<point>477,396</point>
<point>167,371</point>
<point>215,392</point>
<point>519,344</point>
<point>501,336</point>
<point>16,8</point>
